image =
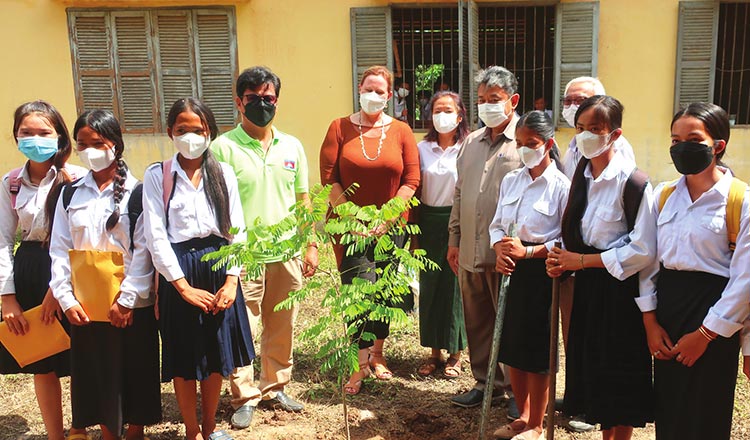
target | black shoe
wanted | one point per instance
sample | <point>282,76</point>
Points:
<point>512,409</point>
<point>472,398</point>
<point>243,416</point>
<point>282,401</point>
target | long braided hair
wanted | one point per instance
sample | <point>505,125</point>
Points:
<point>104,123</point>
<point>214,185</point>
<point>49,113</point>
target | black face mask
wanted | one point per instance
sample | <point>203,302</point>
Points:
<point>259,112</point>
<point>691,157</point>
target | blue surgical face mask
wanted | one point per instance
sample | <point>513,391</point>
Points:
<point>37,148</point>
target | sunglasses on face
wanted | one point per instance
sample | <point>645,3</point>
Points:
<point>254,98</point>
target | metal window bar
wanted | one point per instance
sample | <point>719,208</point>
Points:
<point>732,86</point>
<point>521,39</point>
<point>425,36</point>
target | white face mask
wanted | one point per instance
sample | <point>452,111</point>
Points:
<point>492,114</point>
<point>445,122</point>
<point>96,159</point>
<point>569,114</point>
<point>531,157</point>
<point>592,145</point>
<point>372,103</point>
<point>190,145</point>
<point>403,93</point>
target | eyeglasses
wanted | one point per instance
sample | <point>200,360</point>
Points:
<point>268,99</point>
<point>571,100</point>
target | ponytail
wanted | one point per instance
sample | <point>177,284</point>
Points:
<point>119,188</point>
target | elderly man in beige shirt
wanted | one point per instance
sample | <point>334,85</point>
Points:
<point>486,156</point>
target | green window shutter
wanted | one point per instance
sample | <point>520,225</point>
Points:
<point>93,69</point>
<point>175,58</point>
<point>216,48</point>
<point>576,45</point>
<point>134,67</point>
<point>697,30</point>
<point>372,42</point>
<point>468,60</point>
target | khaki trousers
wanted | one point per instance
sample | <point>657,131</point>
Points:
<point>479,291</point>
<point>261,296</point>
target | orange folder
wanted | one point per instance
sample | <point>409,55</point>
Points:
<point>41,341</point>
<point>96,277</point>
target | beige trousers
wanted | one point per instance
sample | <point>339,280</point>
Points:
<point>479,291</point>
<point>261,296</point>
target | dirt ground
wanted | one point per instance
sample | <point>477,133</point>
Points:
<point>407,407</point>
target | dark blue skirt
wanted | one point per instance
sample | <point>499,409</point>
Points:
<point>196,344</point>
<point>31,272</point>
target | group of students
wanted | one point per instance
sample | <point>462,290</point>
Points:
<point>658,273</point>
<point>188,203</point>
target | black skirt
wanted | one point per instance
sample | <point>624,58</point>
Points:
<point>696,402</point>
<point>197,344</point>
<point>31,274</point>
<point>608,364</point>
<point>115,373</point>
<point>524,342</point>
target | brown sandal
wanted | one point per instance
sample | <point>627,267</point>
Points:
<point>452,368</point>
<point>429,367</point>
<point>380,369</point>
<point>353,388</point>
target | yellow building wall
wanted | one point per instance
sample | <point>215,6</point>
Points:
<point>307,43</point>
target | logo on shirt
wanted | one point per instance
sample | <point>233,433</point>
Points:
<point>290,164</point>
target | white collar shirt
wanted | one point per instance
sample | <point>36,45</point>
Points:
<point>83,226</point>
<point>439,174</point>
<point>604,225</point>
<point>692,236</point>
<point>190,215</point>
<point>570,160</point>
<point>535,206</point>
<point>29,216</point>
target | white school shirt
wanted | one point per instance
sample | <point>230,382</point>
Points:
<point>190,216</point>
<point>83,226</point>
<point>692,236</point>
<point>535,206</point>
<point>439,174</point>
<point>622,147</point>
<point>605,227</point>
<point>29,215</point>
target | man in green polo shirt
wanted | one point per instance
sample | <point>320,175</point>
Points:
<point>271,171</point>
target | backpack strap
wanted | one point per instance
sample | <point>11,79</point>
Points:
<point>665,193</point>
<point>168,179</point>
<point>135,208</point>
<point>633,194</point>
<point>734,210</point>
<point>15,182</point>
<point>67,193</point>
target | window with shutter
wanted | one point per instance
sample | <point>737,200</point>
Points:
<point>371,43</point>
<point>576,45</point>
<point>138,62</point>
<point>696,55</point>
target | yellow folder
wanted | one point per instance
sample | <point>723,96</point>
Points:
<point>41,341</point>
<point>96,277</point>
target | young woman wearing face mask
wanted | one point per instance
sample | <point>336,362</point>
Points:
<point>533,198</point>
<point>379,153</point>
<point>608,366</point>
<point>27,200</point>
<point>115,364</point>
<point>697,292</point>
<point>441,317</point>
<point>204,329</point>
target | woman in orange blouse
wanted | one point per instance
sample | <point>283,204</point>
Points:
<point>380,154</point>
